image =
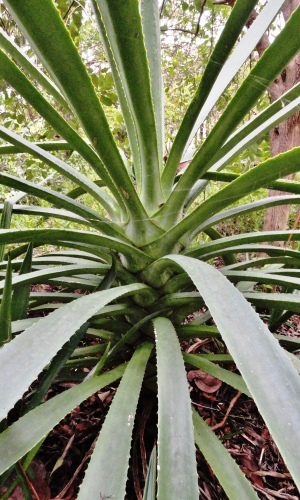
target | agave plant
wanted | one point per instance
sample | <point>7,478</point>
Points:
<point>138,254</point>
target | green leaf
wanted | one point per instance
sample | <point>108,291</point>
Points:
<point>150,483</point>
<point>5,221</point>
<point>9,46</point>
<point>257,177</point>
<point>274,60</point>
<point>36,424</point>
<point>151,30</point>
<point>215,67</point>
<point>257,354</point>
<point>135,258</point>
<point>128,48</point>
<point>246,240</point>
<point>5,307</point>
<point>21,294</point>
<point>55,366</point>
<point>62,61</point>
<point>126,112</point>
<point>107,471</point>
<point>227,471</point>
<point>176,451</point>
<point>62,167</point>
<point>37,345</point>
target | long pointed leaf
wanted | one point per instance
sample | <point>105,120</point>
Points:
<point>127,45</point>
<point>37,345</point>
<point>5,307</point>
<point>62,61</point>
<point>85,240</point>
<point>9,46</point>
<point>107,471</point>
<point>22,436</point>
<point>255,178</point>
<point>21,294</point>
<point>176,451</point>
<point>151,30</point>
<point>62,167</point>
<point>227,471</point>
<point>268,373</point>
<point>273,61</point>
<point>126,112</point>
<point>215,66</point>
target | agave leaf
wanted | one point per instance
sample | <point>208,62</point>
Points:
<point>270,201</point>
<point>215,67</point>
<point>176,451</point>
<point>239,55</point>
<point>59,199</point>
<point>5,221</point>
<point>252,345</point>
<point>128,48</point>
<point>47,146</point>
<point>281,301</point>
<point>110,277</point>
<point>60,166</point>
<point>151,31</point>
<point>49,212</point>
<point>274,114</point>
<point>246,135</point>
<point>52,272</point>
<point>55,366</point>
<point>227,471</point>
<point>61,59</point>
<point>135,257</point>
<point>244,239</point>
<point>150,483</point>
<point>33,70</point>
<point>5,307</point>
<point>126,112</point>
<point>273,61</point>
<point>36,424</point>
<point>37,345</point>
<point>107,471</point>
<point>255,178</point>
<point>21,294</point>
<point>262,277</point>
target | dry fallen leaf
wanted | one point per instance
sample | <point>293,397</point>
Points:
<point>204,381</point>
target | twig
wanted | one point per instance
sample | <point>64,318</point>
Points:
<point>85,458</point>
<point>29,482</point>
<point>275,494</point>
<point>231,405</point>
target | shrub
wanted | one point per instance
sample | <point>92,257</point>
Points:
<point>135,255</point>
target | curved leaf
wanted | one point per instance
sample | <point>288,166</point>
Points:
<point>273,61</point>
<point>36,424</point>
<point>216,67</point>
<point>257,354</point>
<point>226,376</point>
<point>136,259</point>
<point>37,345</point>
<point>32,69</point>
